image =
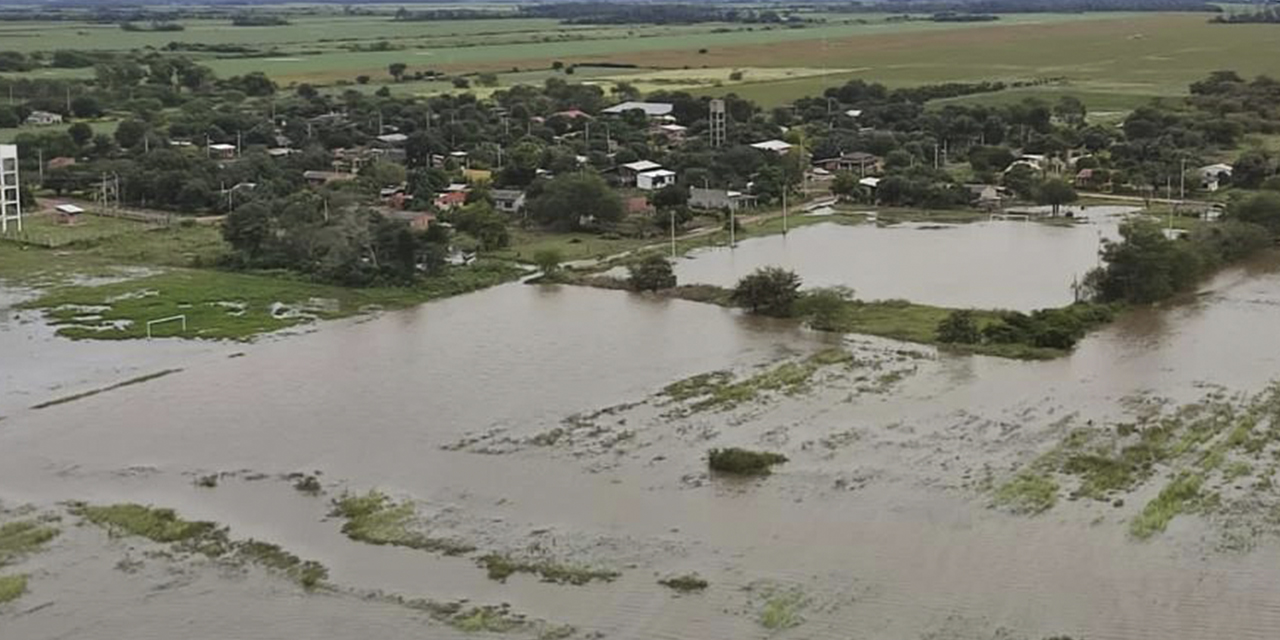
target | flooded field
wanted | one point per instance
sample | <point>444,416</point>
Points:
<point>544,448</point>
<point>1000,264</point>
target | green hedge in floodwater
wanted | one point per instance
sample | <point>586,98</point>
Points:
<point>743,462</point>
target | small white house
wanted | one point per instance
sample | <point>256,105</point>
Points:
<point>221,150</point>
<point>631,170</point>
<point>1211,176</point>
<point>44,118</point>
<point>656,179</point>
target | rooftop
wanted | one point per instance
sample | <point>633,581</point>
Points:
<point>649,108</point>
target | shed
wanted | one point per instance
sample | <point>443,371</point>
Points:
<point>656,179</point>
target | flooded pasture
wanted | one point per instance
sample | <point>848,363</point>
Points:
<point>542,423</point>
<point>1001,264</point>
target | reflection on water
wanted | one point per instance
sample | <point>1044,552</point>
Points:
<point>997,265</point>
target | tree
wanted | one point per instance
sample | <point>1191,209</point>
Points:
<point>825,308</point>
<point>460,82</point>
<point>81,133</point>
<point>362,79</point>
<point>845,184</point>
<point>481,222</point>
<point>1055,193</point>
<point>397,69</point>
<point>1021,180</point>
<point>129,133</point>
<point>575,200</point>
<point>1260,208</point>
<point>86,107</point>
<point>1250,169</point>
<point>548,261</point>
<point>770,291</point>
<point>1145,266</point>
<point>959,327</point>
<point>669,197</point>
<point>651,273</point>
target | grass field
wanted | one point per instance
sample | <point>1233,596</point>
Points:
<point>99,126</point>
<point>47,230</point>
<point>1112,61</point>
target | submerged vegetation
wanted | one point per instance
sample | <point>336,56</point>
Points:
<point>502,566</point>
<point>165,526</point>
<point>686,583</point>
<point>743,462</point>
<point>375,518</point>
<point>1218,454</point>
<point>17,540</point>
<point>783,610</point>
<point>12,587</point>
<point>719,390</point>
<point>236,306</point>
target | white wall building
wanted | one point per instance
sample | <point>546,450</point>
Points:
<point>654,180</point>
<point>10,203</point>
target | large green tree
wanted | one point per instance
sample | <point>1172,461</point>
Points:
<point>575,201</point>
<point>770,291</point>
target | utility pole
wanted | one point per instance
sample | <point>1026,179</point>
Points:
<point>1182,182</point>
<point>673,234</point>
<point>40,166</point>
<point>784,210</point>
<point>733,229</point>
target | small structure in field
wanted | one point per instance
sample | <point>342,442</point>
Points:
<point>68,214</point>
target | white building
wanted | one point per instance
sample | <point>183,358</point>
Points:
<point>656,179</point>
<point>650,109</point>
<point>44,118</point>
<point>776,146</point>
<point>10,202</point>
<point>1211,176</point>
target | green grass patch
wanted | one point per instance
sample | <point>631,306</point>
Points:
<point>743,462</point>
<point>1028,493</point>
<point>375,518</point>
<point>12,588</point>
<point>502,566</point>
<point>152,523</point>
<point>783,611</point>
<point>487,619</point>
<point>234,306</point>
<point>1179,496</point>
<point>686,583</point>
<point>46,231</point>
<point>308,573</point>
<point>165,526</point>
<point>22,537</point>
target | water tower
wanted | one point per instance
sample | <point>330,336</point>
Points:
<point>10,203</point>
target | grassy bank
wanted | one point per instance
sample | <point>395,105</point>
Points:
<point>894,319</point>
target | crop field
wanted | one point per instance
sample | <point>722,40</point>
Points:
<point>1112,61</point>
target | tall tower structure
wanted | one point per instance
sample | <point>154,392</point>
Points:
<point>717,123</point>
<point>10,200</point>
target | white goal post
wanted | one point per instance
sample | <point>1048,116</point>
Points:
<point>151,323</point>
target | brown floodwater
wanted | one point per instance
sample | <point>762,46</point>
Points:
<point>903,550</point>
<point>1017,265</point>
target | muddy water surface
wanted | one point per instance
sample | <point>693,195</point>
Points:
<point>1000,264</point>
<point>878,519</point>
